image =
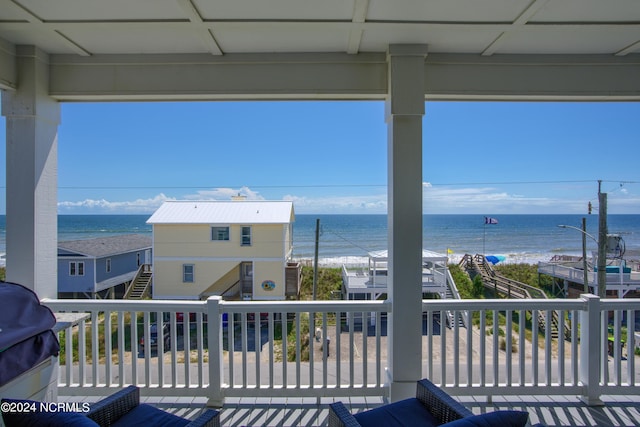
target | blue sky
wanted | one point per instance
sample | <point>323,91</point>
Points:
<point>331,157</point>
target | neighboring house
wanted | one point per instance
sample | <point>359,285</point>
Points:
<point>102,267</point>
<point>238,249</point>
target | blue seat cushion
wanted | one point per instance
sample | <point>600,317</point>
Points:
<point>27,413</point>
<point>408,412</point>
<point>491,419</point>
<point>147,416</point>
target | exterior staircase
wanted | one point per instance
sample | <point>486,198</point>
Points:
<point>509,288</point>
<point>452,293</point>
<point>140,286</point>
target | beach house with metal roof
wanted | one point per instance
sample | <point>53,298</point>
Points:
<point>238,249</point>
<point>101,267</point>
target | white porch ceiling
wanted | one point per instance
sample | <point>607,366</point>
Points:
<point>488,27</point>
<point>210,49</point>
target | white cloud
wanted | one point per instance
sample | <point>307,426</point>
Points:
<point>436,200</point>
<point>106,206</point>
<point>224,193</point>
<point>339,204</point>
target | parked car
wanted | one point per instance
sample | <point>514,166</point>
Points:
<point>153,337</point>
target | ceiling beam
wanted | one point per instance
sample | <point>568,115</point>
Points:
<point>340,76</point>
<point>532,77</point>
<point>232,76</point>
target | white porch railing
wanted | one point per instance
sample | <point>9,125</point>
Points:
<point>239,348</point>
<point>233,348</point>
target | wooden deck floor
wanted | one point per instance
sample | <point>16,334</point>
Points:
<point>281,412</point>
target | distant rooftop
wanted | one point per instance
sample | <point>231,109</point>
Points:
<point>223,212</point>
<point>105,246</point>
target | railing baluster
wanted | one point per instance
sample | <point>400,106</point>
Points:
<point>231,343</point>
<point>285,355</point>
<point>522,320</point>
<point>147,349</point>
<point>631,346</point>
<point>561,351</point>
<point>298,350</point>
<point>107,348</point>
<point>200,348</point>
<point>271,349</point>
<point>535,328</point>
<point>365,334</point>
<point>483,346</point>
<point>456,350</point>
<point>469,350</point>
<point>378,350</point>
<point>443,345</point>
<point>133,342</point>
<point>186,344</point>
<point>496,347</point>
<point>547,346</point>
<point>245,344</point>
<point>508,348</point>
<point>352,322</point>
<point>121,355</point>
<point>337,349</point>
<point>575,367</point>
<point>173,331</point>
<point>312,323</point>
<point>68,355</point>
<point>95,348</point>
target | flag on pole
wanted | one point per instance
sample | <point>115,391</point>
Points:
<point>489,220</point>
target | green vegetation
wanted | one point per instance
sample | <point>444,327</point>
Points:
<point>3,274</point>
<point>329,282</point>
<point>527,274</point>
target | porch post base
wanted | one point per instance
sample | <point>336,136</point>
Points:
<point>591,401</point>
<point>215,402</point>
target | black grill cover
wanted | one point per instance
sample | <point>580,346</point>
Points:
<point>26,338</point>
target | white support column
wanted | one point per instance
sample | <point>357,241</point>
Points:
<point>404,111</point>
<point>32,119</point>
<point>214,339</point>
<point>590,351</point>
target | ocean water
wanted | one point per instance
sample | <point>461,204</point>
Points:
<point>349,238</point>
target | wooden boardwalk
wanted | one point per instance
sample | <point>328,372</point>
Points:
<point>283,412</point>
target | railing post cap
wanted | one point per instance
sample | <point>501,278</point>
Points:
<point>214,298</point>
<point>589,296</point>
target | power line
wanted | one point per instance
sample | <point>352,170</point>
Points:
<point>438,184</point>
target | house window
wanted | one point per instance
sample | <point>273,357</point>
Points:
<point>76,268</point>
<point>246,236</point>
<point>188,273</point>
<point>220,233</point>
<point>108,265</point>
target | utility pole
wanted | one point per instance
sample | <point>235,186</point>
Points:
<point>602,242</point>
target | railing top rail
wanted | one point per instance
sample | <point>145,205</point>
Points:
<point>125,305</point>
<point>301,306</point>
<point>620,303</point>
<point>505,304</point>
<point>201,306</point>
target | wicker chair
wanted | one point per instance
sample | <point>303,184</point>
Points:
<point>127,401</point>
<point>441,406</point>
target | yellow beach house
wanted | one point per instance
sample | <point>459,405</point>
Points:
<point>239,249</point>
